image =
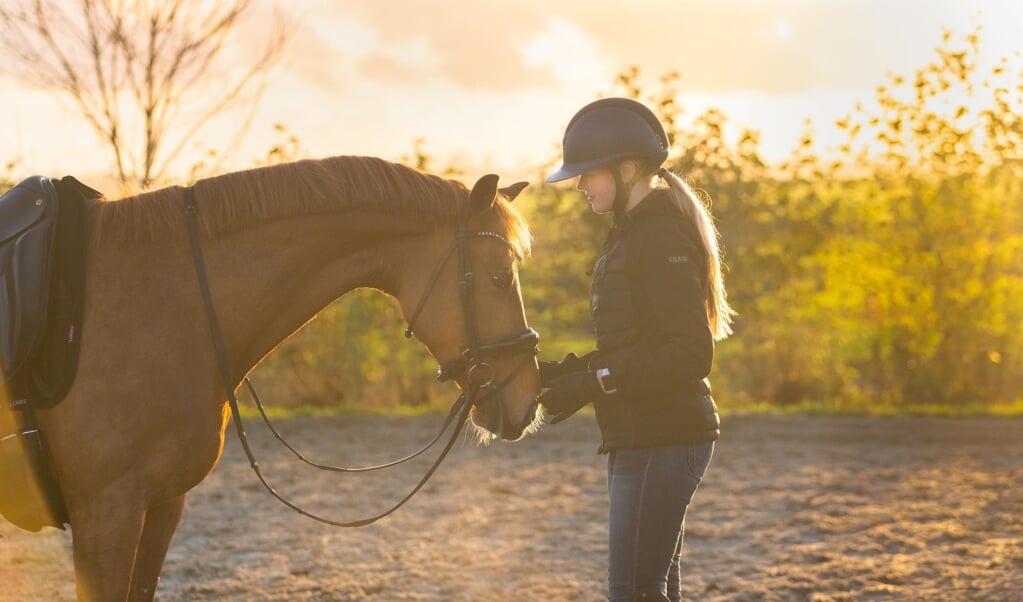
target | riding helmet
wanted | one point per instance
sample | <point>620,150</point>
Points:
<point>610,130</point>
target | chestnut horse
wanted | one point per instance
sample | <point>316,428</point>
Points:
<point>145,419</point>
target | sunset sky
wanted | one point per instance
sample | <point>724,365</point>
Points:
<point>490,84</point>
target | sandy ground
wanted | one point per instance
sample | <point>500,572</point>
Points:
<point>792,508</point>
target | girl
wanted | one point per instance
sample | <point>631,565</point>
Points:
<point>658,304</point>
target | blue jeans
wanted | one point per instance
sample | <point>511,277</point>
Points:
<point>649,491</point>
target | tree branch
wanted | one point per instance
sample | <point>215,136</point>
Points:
<point>134,69</point>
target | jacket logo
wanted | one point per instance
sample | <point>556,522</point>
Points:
<point>678,259</point>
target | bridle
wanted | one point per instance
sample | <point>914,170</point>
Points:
<point>471,358</point>
<point>471,361</point>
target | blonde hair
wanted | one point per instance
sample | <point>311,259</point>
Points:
<point>695,209</point>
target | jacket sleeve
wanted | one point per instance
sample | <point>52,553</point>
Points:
<point>677,348</point>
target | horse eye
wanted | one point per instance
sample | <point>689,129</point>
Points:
<point>502,281</point>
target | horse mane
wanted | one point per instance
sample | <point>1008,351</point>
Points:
<point>243,199</point>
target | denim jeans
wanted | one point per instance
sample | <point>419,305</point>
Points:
<point>649,491</point>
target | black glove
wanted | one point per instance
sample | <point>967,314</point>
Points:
<point>568,394</point>
<point>552,371</point>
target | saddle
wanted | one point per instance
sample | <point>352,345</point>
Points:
<point>42,285</point>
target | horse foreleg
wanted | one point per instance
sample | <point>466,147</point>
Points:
<point>105,535</point>
<point>161,521</point>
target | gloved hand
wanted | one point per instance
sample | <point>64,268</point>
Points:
<point>568,394</point>
<point>551,371</point>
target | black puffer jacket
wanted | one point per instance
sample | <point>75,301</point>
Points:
<point>650,320</point>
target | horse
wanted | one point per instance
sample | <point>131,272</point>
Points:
<point>145,419</point>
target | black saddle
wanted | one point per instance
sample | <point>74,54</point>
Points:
<point>42,281</point>
<point>42,286</point>
<point>28,220</point>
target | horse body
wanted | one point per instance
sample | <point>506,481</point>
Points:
<point>145,419</point>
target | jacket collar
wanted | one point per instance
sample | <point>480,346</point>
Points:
<point>657,203</point>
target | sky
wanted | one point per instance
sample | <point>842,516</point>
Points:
<point>489,85</point>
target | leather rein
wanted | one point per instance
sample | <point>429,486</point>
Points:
<point>480,375</point>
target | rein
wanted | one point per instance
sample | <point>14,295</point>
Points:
<point>470,359</point>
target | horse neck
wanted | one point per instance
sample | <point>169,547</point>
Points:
<point>270,280</point>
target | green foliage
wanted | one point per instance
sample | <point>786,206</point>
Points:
<point>892,275</point>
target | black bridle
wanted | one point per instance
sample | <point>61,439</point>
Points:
<point>471,361</point>
<point>471,358</point>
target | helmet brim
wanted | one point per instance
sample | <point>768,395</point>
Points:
<point>571,170</point>
<point>567,172</point>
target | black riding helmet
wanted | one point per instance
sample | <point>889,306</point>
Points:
<point>607,131</point>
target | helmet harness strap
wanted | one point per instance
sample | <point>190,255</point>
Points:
<point>622,190</point>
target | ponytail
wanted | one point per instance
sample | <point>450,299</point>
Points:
<point>695,209</point>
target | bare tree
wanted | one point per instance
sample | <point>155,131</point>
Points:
<point>143,73</point>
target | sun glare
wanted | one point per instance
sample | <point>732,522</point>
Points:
<point>568,51</point>
<point>783,29</point>
<point>356,40</point>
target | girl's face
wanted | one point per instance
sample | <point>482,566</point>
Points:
<point>599,187</point>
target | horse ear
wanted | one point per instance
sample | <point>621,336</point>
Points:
<point>510,192</point>
<point>483,194</point>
